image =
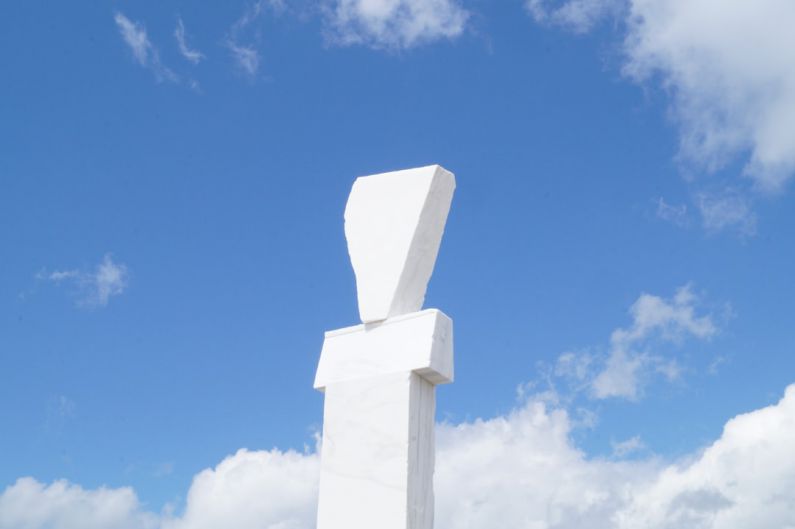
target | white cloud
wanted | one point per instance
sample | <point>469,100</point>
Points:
<point>96,287</point>
<point>109,279</point>
<point>672,319</point>
<point>522,469</point>
<point>135,36</point>
<point>253,490</point>
<point>144,52</point>
<point>633,355</point>
<point>394,24</point>
<point>653,319</point>
<point>28,504</point>
<point>745,479</point>
<point>578,15</point>
<point>191,55</point>
<point>728,67</point>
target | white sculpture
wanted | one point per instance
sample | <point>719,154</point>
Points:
<point>379,378</point>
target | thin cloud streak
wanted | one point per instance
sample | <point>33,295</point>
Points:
<point>143,51</point>
<point>245,55</point>
<point>191,55</point>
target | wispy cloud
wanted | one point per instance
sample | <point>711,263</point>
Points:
<point>628,447</point>
<point>727,209</point>
<point>191,55</point>
<point>578,15</point>
<point>676,214</point>
<point>93,288</point>
<point>246,58</point>
<point>394,24</point>
<point>143,51</point>
<point>243,38</point>
<point>652,318</point>
<point>632,360</point>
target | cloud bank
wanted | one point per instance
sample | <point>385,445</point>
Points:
<point>521,469</point>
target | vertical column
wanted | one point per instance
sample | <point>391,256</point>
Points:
<point>377,454</point>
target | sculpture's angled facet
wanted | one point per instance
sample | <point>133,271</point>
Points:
<point>394,224</point>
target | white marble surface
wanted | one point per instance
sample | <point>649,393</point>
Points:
<point>378,454</point>
<point>394,224</point>
<point>420,342</point>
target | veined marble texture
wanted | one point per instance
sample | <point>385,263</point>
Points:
<point>378,454</point>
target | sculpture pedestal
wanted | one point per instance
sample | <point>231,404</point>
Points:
<point>377,456</point>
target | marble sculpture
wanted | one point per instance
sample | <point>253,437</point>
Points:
<point>379,378</point>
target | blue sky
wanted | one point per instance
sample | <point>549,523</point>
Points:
<point>617,260</point>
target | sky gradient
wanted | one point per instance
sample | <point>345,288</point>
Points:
<point>616,261</point>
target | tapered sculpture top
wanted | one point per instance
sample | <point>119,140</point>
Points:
<point>394,224</point>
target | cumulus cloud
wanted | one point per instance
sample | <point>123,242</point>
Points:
<point>191,55</point>
<point>522,469</point>
<point>394,24</point>
<point>94,288</point>
<point>745,479</point>
<point>29,504</point>
<point>253,490</point>
<point>632,357</point>
<point>144,52</point>
<point>730,69</point>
